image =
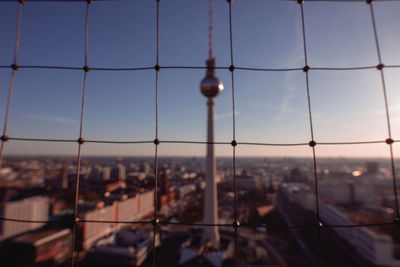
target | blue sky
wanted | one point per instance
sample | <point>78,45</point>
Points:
<point>270,106</point>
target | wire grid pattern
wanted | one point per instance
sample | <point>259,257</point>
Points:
<point>236,224</point>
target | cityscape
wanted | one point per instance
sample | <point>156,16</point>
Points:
<point>272,194</point>
<point>123,144</point>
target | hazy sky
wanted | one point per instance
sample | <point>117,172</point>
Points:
<point>271,107</point>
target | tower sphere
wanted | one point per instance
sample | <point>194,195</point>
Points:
<point>210,86</point>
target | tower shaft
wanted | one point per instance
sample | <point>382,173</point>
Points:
<point>211,233</point>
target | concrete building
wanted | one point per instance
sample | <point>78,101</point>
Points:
<point>375,247</point>
<point>30,209</point>
<point>147,169</point>
<point>346,193</point>
<point>96,174</point>
<point>245,183</point>
<point>129,248</point>
<point>94,231</point>
<point>118,172</point>
<point>126,209</point>
<point>184,190</point>
<point>44,247</point>
<point>372,167</point>
<point>64,177</point>
<point>106,173</point>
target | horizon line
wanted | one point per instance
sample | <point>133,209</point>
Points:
<point>197,156</point>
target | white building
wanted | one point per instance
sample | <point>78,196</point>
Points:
<point>129,248</point>
<point>346,193</point>
<point>377,248</point>
<point>30,209</point>
<point>106,173</point>
<point>131,209</point>
<point>118,172</point>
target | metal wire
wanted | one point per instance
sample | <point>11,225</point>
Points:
<point>28,139</point>
<point>234,143</point>
<point>156,140</point>
<point>312,142</point>
<point>80,140</point>
<point>198,67</point>
<point>10,90</point>
<point>310,111</point>
<point>249,225</point>
<point>380,68</point>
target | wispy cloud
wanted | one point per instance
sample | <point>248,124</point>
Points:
<point>225,115</point>
<point>394,114</point>
<point>382,111</point>
<point>52,119</point>
<point>318,115</point>
<point>285,106</point>
<point>289,85</point>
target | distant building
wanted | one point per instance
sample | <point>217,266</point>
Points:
<point>184,190</point>
<point>296,176</point>
<point>124,210</point>
<point>30,209</point>
<point>346,193</point>
<point>372,167</point>
<point>147,169</point>
<point>43,247</point>
<point>165,196</point>
<point>128,248</point>
<point>106,173</point>
<point>118,172</point>
<point>164,183</point>
<point>246,183</point>
<point>64,178</point>
<point>96,174</point>
<point>375,247</point>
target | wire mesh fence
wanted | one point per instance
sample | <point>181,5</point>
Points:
<point>157,68</point>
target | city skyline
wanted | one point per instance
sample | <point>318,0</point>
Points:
<point>271,107</point>
<point>271,195</point>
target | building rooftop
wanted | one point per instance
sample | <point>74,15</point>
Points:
<point>40,237</point>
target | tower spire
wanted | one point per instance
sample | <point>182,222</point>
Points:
<point>210,31</point>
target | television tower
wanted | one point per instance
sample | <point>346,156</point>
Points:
<point>210,87</point>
